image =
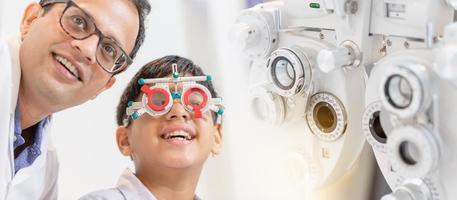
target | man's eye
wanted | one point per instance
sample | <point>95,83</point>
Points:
<point>80,22</point>
<point>109,50</point>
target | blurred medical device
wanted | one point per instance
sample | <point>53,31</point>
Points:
<point>410,97</point>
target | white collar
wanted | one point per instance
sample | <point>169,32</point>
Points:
<point>132,188</point>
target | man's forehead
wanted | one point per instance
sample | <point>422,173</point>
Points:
<point>117,19</point>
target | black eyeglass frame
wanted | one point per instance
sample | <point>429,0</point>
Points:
<point>101,36</point>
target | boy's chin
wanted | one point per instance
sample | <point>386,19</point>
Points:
<point>183,162</point>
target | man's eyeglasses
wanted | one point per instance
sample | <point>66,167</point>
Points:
<point>79,25</point>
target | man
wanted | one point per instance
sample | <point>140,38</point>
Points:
<point>68,52</point>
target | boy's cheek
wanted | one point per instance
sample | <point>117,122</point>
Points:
<point>204,117</point>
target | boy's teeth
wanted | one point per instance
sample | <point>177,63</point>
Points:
<point>175,135</point>
<point>68,65</point>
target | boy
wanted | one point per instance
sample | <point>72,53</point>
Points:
<point>168,125</point>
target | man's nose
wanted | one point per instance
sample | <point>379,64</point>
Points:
<point>87,48</point>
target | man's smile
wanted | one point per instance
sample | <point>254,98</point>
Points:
<point>73,69</point>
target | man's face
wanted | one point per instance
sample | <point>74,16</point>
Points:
<point>49,78</point>
<point>151,142</point>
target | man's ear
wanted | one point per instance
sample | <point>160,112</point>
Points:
<point>108,85</point>
<point>122,140</point>
<point>31,13</point>
<point>217,146</point>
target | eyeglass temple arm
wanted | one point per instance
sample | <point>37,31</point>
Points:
<point>217,106</point>
<point>133,113</point>
<point>219,109</point>
<point>53,2</point>
<point>133,106</point>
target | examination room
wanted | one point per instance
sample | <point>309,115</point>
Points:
<point>228,100</point>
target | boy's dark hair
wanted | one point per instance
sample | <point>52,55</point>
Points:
<point>143,7</point>
<point>158,68</point>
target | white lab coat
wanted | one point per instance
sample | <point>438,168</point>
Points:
<point>129,187</point>
<point>39,180</point>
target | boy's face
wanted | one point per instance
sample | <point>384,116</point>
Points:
<point>149,139</point>
<point>49,78</point>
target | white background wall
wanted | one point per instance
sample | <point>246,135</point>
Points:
<point>1,16</point>
<point>11,15</point>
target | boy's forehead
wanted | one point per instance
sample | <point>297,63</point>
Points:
<point>177,85</point>
<point>180,83</point>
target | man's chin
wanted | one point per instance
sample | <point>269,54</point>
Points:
<point>60,97</point>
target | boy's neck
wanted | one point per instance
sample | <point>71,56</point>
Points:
<point>169,183</point>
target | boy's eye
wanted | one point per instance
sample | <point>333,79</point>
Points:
<point>195,98</point>
<point>158,99</point>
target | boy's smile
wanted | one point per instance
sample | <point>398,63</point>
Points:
<point>179,134</point>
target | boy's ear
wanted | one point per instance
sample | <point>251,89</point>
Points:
<point>217,146</point>
<point>31,13</point>
<point>122,140</point>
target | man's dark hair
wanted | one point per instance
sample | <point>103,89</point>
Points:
<point>143,7</point>
<point>158,68</point>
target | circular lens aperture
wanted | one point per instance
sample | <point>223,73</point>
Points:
<point>158,99</point>
<point>196,98</point>
<point>325,117</point>
<point>290,71</point>
<point>413,151</point>
<point>398,91</point>
<point>409,153</point>
<point>283,73</point>
<point>376,129</point>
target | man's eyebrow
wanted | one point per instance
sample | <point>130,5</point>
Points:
<point>93,21</point>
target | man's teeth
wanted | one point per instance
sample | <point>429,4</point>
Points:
<point>180,135</point>
<point>68,65</point>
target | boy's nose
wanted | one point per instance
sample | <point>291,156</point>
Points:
<point>177,112</point>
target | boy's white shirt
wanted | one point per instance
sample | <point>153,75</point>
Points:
<point>129,187</point>
<point>39,180</point>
